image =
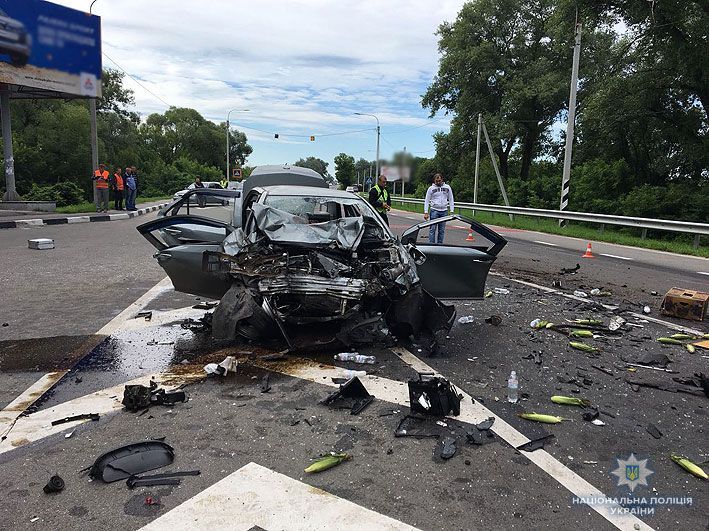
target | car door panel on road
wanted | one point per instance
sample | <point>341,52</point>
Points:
<point>450,271</point>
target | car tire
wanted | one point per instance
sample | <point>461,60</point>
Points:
<point>18,60</point>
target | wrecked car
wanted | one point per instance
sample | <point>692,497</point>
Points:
<point>290,258</point>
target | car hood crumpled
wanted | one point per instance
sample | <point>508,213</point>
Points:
<point>280,226</point>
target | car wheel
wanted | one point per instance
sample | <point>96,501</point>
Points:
<point>18,60</point>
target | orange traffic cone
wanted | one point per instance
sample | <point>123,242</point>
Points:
<point>470,236</point>
<point>589,252</point>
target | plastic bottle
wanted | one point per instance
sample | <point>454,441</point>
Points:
<point>466,319</point>
<point>355,357</point>
<point>512,388</point>
<point>349,374</point>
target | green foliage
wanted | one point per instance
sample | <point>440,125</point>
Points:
<point>317,165</point>
<point>345,170</point>
<point>64,194</point>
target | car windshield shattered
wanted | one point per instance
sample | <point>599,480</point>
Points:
<point>320,260</point>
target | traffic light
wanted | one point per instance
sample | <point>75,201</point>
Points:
<point>312,139</point>
<point>275,135</point>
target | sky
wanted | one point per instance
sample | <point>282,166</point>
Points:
<point>300,67</point>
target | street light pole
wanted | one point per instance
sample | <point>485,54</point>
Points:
<point>94,133</point>
<point>378,133</point>
<point>227,138</point>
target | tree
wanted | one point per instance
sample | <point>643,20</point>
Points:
<point>317,165</point>
<point>345,169</point>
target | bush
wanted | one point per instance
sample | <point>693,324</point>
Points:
<point>64,193</point>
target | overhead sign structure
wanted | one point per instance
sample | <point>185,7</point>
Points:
<point>49,47</point>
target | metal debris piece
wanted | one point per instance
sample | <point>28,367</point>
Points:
<point>433,395</point>
<point>147,314</point>
<point>73,418</point>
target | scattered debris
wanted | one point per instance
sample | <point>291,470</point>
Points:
<point>55,484</point>
<point>669,341</point>
<point>581,294</point>
<point>168,478</point>
<point>598,422</point>
<point>68,435</point>
<point>132,460</point>
<point>326,462</point>
<point>433,395</point>
<point>265,385</point>
<point>206,305</point>
<point>685,304</point>
<point>355,357</point>
<point>535,444</point>
<point>495,320</point>
<point>582,346</point>
<point>146,314</point>
<point>485,424</point>
<point>227,365</point>
<point>351,395</point>
<point>603,369</point>
<point>581,333</point>
<point>652,430</point>
<point>538,417</point>
<point>635,379</point>
<point>656,359</point>
<point>466,319</point>
<point>616,323</point>
<point>601,293</point>
<point>646,310</point>
<point>501,291</point>
<point>446,448</point>
<point>589,414</point>
<point>41,244</point>
<point>73,418</point>
<point>570,271</point>
<point>137,397</point>
<point>415,426</point>
<point>570,401</point>
<point>689,466</point>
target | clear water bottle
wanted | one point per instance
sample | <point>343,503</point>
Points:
<point>512,388</point>
<point>349,374</point>
<point>355,357</point>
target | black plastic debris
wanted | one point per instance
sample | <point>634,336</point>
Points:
<point>202,325</point>
<point>351,395</point>
<point>479,437</point>
<point>589,414</point>
<point>265,385</point>
<point>536,444</point>
<point>206,305</point>
<point>146,314</point>
<point>83,416</point>
<point>494,320</point>
<point>168,478</point>
<point>417,427</point>
<point>570,270</point>
<point>433,395</point>
<point>446,448</point>
<point>486,424</point>
<point>652,430</point>
<point>132,460</point>
<point>137,397</point>
<point>55,484</point>
<point>656,359</point>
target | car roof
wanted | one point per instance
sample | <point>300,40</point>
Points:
<point>272,175</point>
<point>308,191</point>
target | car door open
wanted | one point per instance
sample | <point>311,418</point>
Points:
<point>449,271</point>
<point>181,242</point>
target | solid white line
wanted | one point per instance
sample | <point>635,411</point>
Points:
<point>161,287</point>
<point>543,459</point>
<point>255,496</point>
<point>702,272</point>
<point>616,256</point>
<point>545,243</point>
<point>18,406</point>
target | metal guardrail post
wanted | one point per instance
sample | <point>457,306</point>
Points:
<point>643,235</point>
<point>696,241</point>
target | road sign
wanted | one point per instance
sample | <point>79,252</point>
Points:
<point>236,173</point>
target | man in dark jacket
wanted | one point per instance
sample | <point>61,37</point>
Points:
<point>380,199</point>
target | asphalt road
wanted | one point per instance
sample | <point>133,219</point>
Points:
<point>55,301</point>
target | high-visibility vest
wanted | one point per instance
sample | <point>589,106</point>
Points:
<point>383,195</point>
<point>224,183</point>
<point>101,178</point>
<point>119,182</point>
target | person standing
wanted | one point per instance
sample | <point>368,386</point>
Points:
<point>101,176</point>
<point>117,185</point>
<point>380,199</point>
<point>224,183</point>
<point>200,198</point>
<point>131,189</point>
<point>439,200</point>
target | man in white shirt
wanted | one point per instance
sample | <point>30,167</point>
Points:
<point>439,200</point>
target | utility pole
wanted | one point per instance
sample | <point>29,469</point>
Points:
<point>227,139</point>
<point>477,159</point>
<point>378,133</point>
<point>10,190</point>
<point>94,132</point>
<point>497,172</point>
<point>566,175</point>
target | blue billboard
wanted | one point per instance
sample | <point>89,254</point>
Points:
<point>48,46</point>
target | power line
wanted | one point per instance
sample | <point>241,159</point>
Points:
<point>417,126</point>
<point>134,79</point>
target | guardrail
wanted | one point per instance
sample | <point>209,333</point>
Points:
<point>689,227</point>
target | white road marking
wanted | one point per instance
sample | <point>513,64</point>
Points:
<point>545,289</point>
<point>473,412</point>
<point>18,406</point>
<point>161,287</point>
<point>703,273</point>
<point>545,243</point>
<point>616,256</point>
<point>256,496</point>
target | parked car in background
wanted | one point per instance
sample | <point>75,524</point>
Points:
<point>300,261</point>
<point>207,184</point>
<point>14,40</point>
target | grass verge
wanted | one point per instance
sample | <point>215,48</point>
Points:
<point>679,243</point>
<point>87,206</point>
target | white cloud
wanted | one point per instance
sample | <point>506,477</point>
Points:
<point>298,65</point>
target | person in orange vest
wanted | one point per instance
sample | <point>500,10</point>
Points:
<point>102,177</point>
<point>117,185</point>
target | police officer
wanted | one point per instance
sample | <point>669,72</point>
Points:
<point>380,199</point>
<point>224,182</point>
